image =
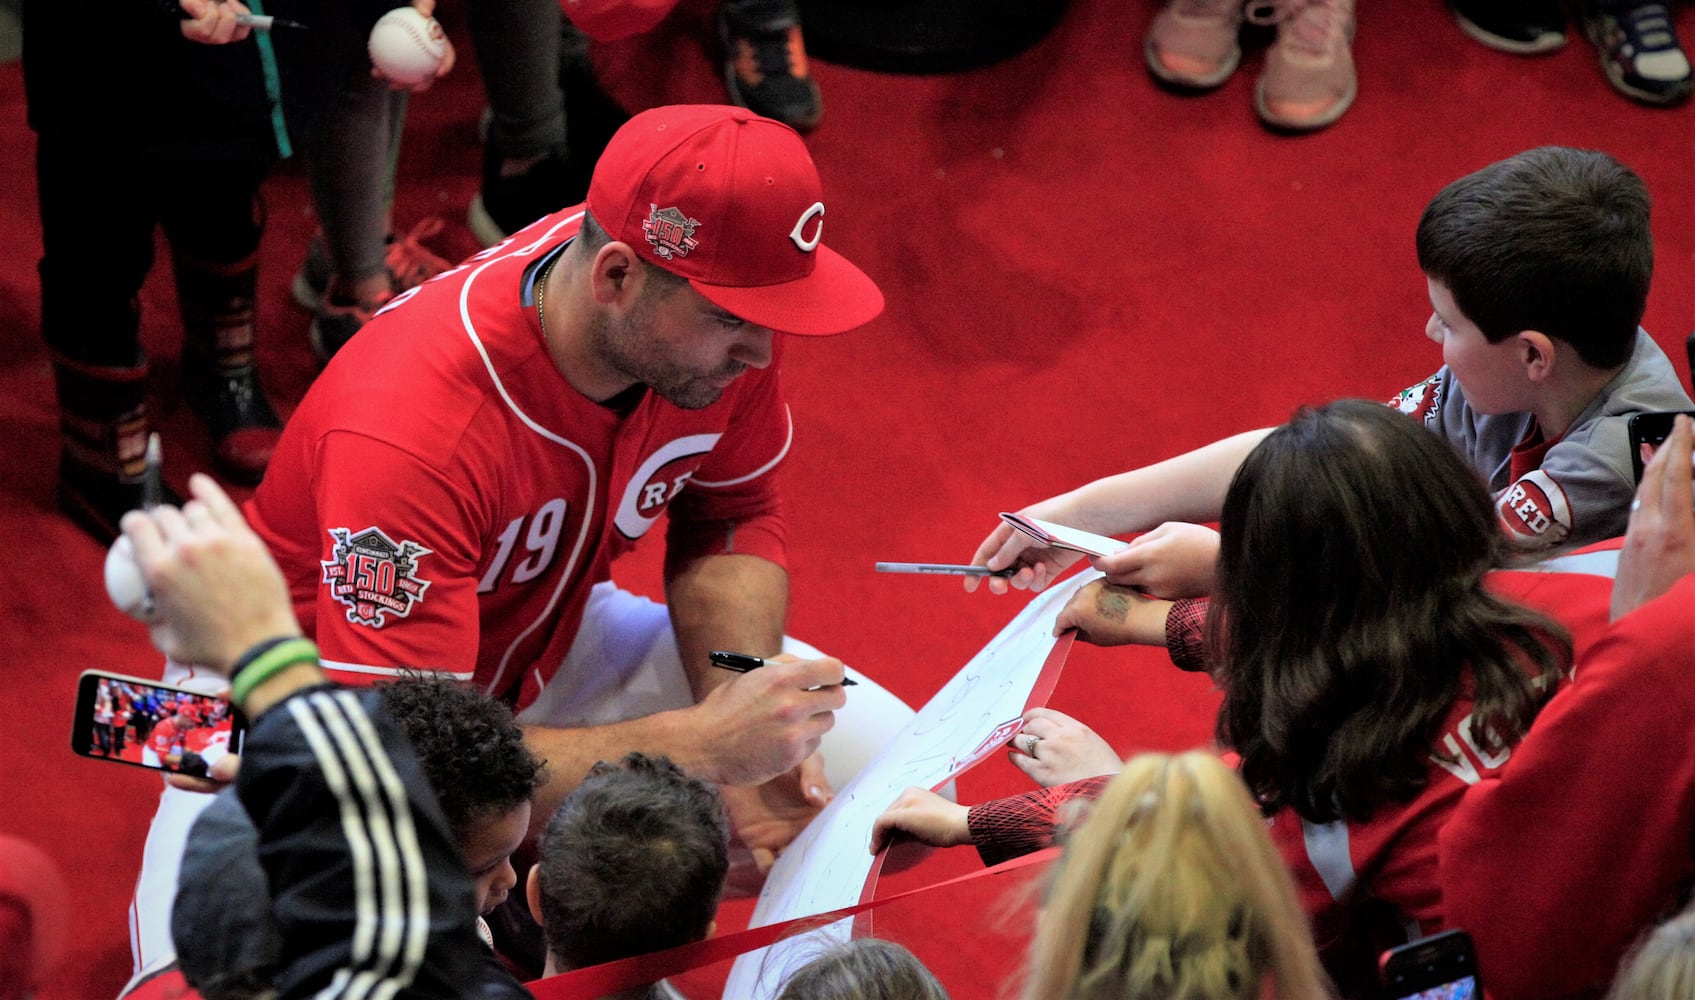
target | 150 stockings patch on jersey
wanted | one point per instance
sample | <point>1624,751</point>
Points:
<point>374,575</point>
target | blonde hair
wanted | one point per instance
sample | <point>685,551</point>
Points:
<point>1170,889</point>
<point>1662,965</point>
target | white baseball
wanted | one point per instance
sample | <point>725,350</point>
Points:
<point>407,46</point>
<point>124,584</point>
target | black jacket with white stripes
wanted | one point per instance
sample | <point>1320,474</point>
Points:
<point>366,881</point>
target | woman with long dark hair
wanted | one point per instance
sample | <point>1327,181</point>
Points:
<point>1372,667</point>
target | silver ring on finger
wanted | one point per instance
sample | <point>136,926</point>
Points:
<point>1030,741</point>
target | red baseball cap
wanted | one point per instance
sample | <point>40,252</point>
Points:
<point>732,202</point>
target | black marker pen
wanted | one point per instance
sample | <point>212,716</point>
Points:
<point>741,663</point>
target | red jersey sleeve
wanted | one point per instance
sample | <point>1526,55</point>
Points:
<point>398,557</point>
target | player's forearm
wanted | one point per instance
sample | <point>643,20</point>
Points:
<point>570,753</point>
<point>735,602</point>
<point>1189,487</point>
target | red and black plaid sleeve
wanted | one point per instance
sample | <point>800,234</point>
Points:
<point>1003,829</point>
<point>1185,634</point>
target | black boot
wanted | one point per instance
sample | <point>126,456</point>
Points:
<point>219,376</point>
<point>103,427</point>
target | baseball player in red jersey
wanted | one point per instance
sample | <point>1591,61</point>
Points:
<point>452,491</point>
<point>164,741</point>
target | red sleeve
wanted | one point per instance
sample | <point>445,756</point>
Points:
<point>1002,829</point>
<point>1583,839</point>
<point>399,554</point>
<point>732,503</point>
<point>1185,634</point>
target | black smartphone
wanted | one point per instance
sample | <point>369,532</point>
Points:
<point>1650,429</point>
<point>143,723</point>
<point>1440,967</point>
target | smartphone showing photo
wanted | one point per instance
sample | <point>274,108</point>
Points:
<point>1650,429</point>
<point>1440,967</point>
<point>143,723</point>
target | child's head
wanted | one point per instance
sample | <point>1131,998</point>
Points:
<point>864,969</point>
<point>1171,887</point>
<point>474,757</point>
<point>634,861</point>
<point>1554,240</point>
<point>1662,965</point>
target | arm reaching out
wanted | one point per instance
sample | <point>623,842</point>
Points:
<point>1189,488</point>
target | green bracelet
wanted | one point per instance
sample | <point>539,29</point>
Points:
<point>270,663</point>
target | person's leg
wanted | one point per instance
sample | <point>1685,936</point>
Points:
<point>517,45</point>
<point>1522,27</point>
<point>765,64</point>
<point>1194,44</point>
<point>1309,78</point>
<point>350,147</point>
<point>214,219</point>
<point>1639,49</point>
<point>97,250</point>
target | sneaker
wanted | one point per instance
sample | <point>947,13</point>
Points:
<point>1309,79</point>
<point>1639,50</point>
<point>408,261</point>
<point>244,426</point>
<point>508,204</point>
<point>765,71</point>
<point>334,323</point>
<point>1193,43</point>
<point>1522,27</point>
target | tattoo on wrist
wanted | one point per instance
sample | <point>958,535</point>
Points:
<point>1112,604</point>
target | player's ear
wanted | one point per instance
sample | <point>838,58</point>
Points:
<point>612,278</point>
<point>532,892</point>
<point>1539,353</point>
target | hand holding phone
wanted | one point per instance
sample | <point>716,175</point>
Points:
<point>1650,429</point>
<point>143,723</point>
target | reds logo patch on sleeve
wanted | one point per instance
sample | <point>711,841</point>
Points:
<point>1535,510</point>
<point>374,575</point>
<point>1422,401</point>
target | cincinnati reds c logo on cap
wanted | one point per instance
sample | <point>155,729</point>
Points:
<point>796,234</point>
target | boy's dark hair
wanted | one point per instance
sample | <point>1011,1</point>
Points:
<point>472,752</point>
<point>1553,239</point>
<point>1350,613</point>
<point>634,861</point>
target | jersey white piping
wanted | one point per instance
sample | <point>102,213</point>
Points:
<point>1327,849</point>
<point>366,668</point>
<point>1602,563</point>
<point>788,439</point>
<point>511,404</point>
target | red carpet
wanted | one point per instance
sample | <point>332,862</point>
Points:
<point>1084,273</point>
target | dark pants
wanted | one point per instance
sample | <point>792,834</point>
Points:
<point>99,211</point>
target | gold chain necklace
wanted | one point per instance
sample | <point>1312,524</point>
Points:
<point>541,288</point>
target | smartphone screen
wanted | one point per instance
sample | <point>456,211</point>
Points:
<point>143,723</point>
<point>1650,429</point>
<point>1440,967</point>
<point>1460,989</point>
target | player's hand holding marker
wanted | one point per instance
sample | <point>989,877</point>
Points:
<point>764,722</point>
